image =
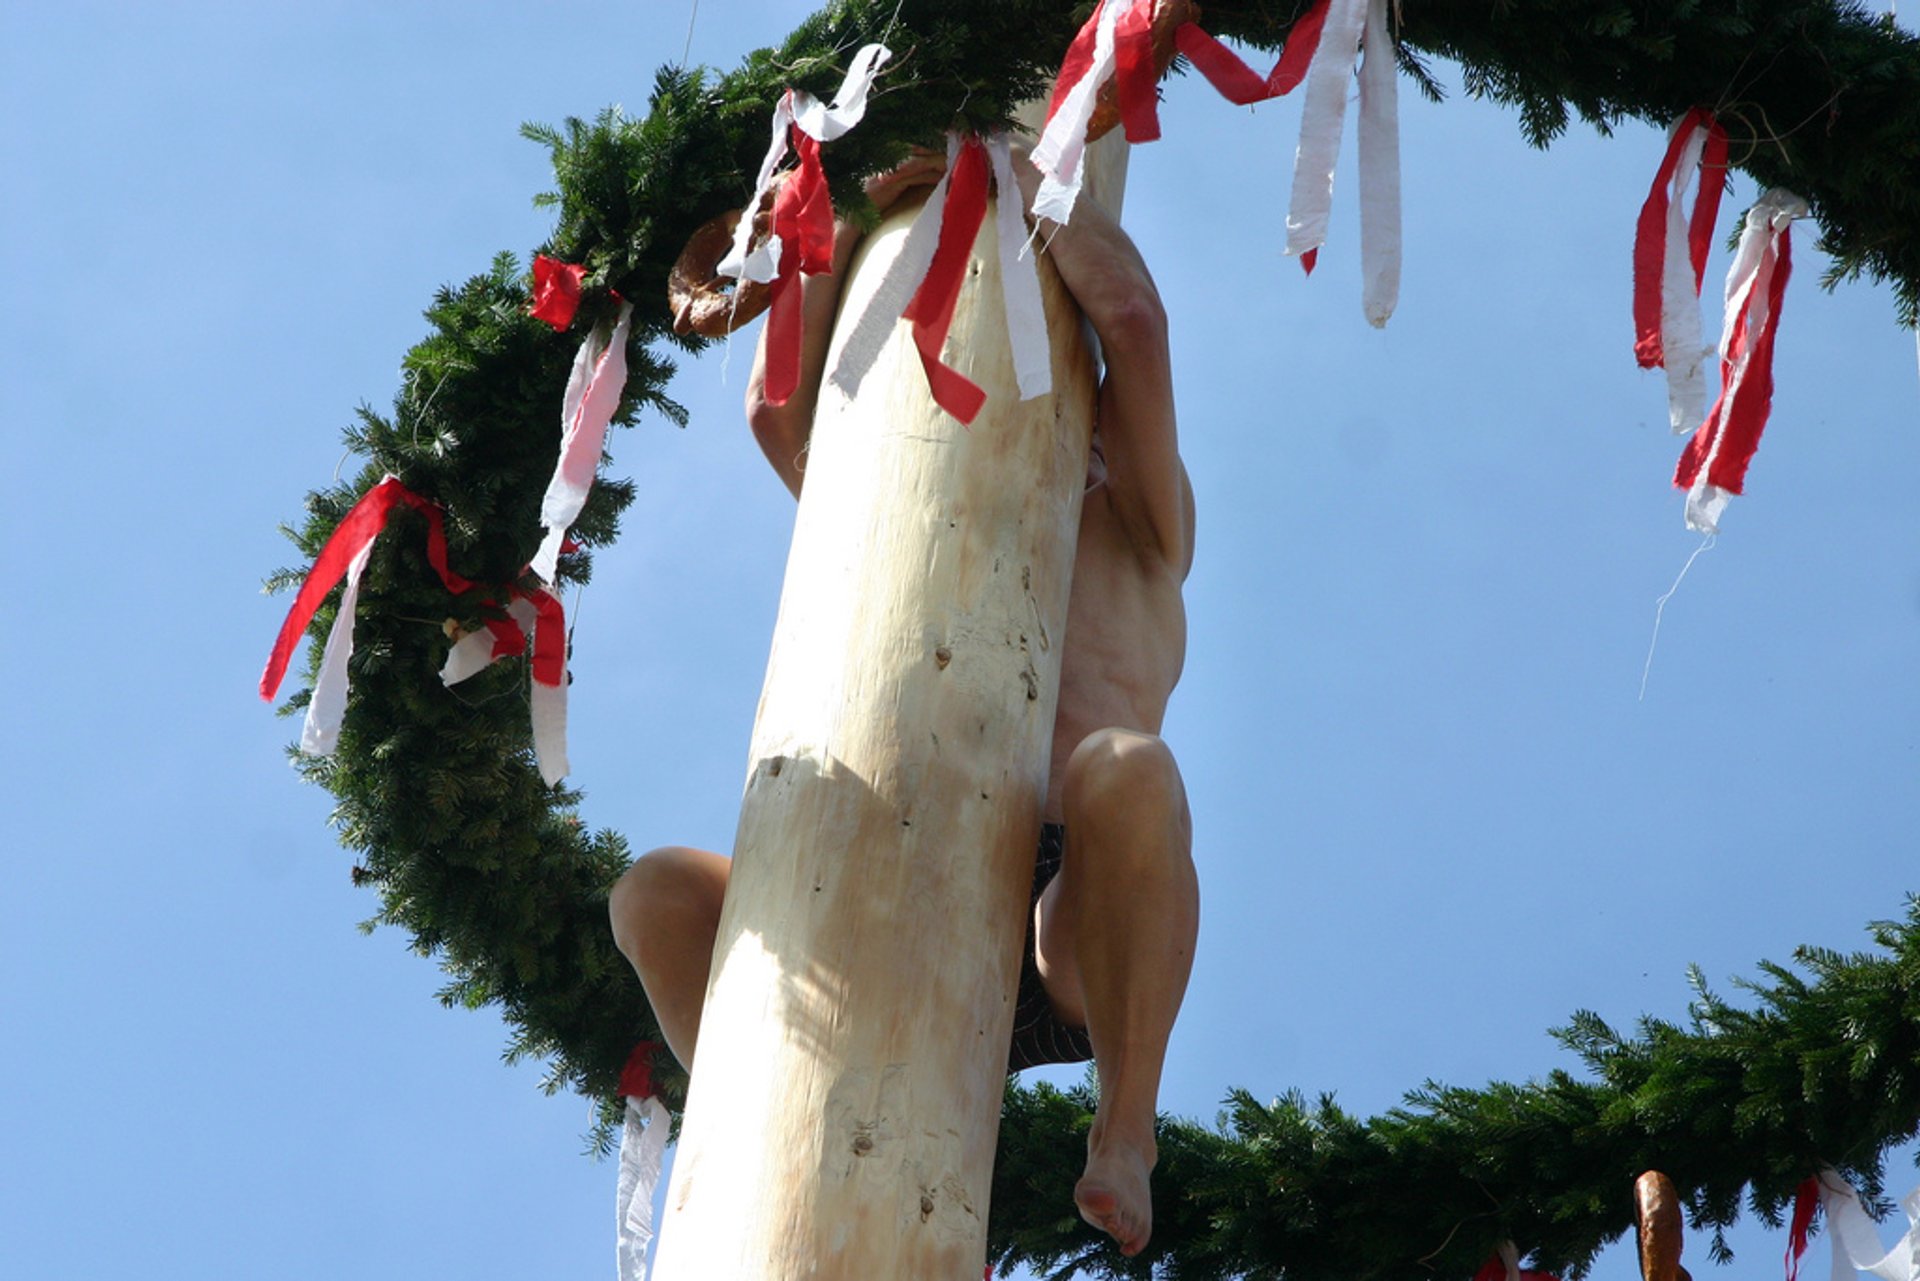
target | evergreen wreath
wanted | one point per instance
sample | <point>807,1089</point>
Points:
<point>495,874</point>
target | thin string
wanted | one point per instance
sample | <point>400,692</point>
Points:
<point>1660,608</point>
<point>687,51</point>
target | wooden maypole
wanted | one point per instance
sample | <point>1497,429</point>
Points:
<point>845,1098</point>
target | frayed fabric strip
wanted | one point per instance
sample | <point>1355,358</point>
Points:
<point>593,394</point>
<point>1670,259</point>
<point>1019,279</point>
<point>870,331</point>
<point>1321,121</point>
<point>1713,467</point>
<point>643,1147</point>
<point>1856,1239</point>
<point>1379,170</point>
<point>1063,142</point>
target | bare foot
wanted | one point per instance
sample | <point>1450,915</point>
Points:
<point>1113,1194</point>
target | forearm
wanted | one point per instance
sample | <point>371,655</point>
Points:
<point>783,429</point>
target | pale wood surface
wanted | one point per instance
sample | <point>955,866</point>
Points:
<point>846,1093</point>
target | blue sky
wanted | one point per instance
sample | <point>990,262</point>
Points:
<point>1432,815</point>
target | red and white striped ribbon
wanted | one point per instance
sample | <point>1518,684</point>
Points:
<point>1856,1239</point>
<point>537,613</point>
<point>593,394</point>
<point>1670,262</point>
<point>801,110</point>
<point>345,555</point>
<point>1089,64</point>
<point>1713,466</point>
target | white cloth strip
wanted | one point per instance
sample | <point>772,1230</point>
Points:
<point>824,123</point>
<point>1321,119</point>
<point>1063,143</point>
<point>1379,170</point>
<point>875,325</point>
<point>743,261</point>
<point>593,393</point>
<point>327,705</point>
<point>643,1147</point>
<point>1019,279</point>
<point>467,657</point>
<point>1683,349</point>
<point>1856,1240</point>
<point>547,703</point>
<point>1748,282</point>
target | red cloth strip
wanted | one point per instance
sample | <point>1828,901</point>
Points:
<point>1706,199</point>
<point>1746,394</point>
<point>1079,57</point>
<point>549,638</point>
<point>1806,1200</point>
<point>508,639</point>
<point>931,309</point>
<point>1650,238</point>
<point>556,290</point>
<point>803,219</point>
<point>636,1078</point>
<point>1237,82</point>
<point>1134,81</point>
<point>360,526</point>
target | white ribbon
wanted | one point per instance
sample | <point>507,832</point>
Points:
<point>327,705</point>
<point>473,654</point>
<point>1063,143</point>
<point>1748,282</point>
<point>875,324</point>
<point>1681,343</point>
<point>1321,119</point>
<point>593,393</point>
<point>823,124</point>
<point>643,1146</point>
<point>1856,1239</point>
<point>1379,170</point>
<point>1019,279</point>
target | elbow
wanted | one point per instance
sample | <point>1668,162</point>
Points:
<point>781,431</point>
<point>1133,320</point>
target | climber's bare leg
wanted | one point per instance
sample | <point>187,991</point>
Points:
<point>666,912</point>
<point>1115,945</point>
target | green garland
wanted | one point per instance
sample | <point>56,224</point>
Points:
<point>493,872</point>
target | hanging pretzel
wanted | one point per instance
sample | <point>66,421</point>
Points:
<point>1657,1205</point>
<point>702,300</point>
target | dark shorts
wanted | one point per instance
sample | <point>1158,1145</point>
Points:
<point>1038,1034</point>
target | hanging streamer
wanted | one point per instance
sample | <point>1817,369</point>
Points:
<point>1379,170</point>
<point>803,223</point>
<point>1237,82</point>
<point>643,1147</point>
<point>1321,121</point>
<point>1019,279</point>
<point>345,555</point>
<point>593,394</point>
<point>1713,466</point>
<point>1089,64</point>
<point>539,613</point>
<point>1670,262</point>
<point>1856,1239</point>
<point>931,309</point>
<point>798,109</point>
<point>1806,1200</point>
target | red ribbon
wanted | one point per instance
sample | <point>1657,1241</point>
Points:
<point>359,527</point>
<point>636,1078</point>
<point>803,219</point>
<point>931,309</point>
<point>1495,1269</point>
<point>1237,82</point>
<point>1134,80</point>
<point>1806,1200</point>
<point>1079,57</point>
<point>1739,416</point>
<point>1650,234</point>
<point>556,290</point>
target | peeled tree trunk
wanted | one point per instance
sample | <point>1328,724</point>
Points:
<point>846,1092</point>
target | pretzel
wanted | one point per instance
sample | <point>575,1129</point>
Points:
<point>701,299</point>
